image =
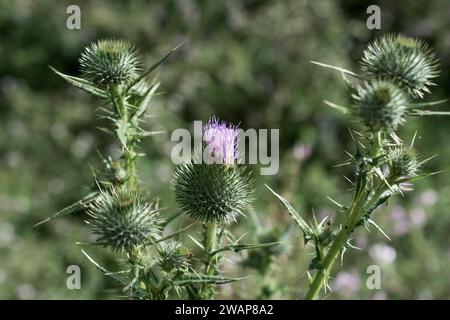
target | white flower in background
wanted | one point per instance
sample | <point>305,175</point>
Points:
<point>25,291</point>
<point>346,283</point>
<point>382,253</point>
<point>400,221</point>
<point>302,151</point>
<point>417,217</point>
<point>429,198</point>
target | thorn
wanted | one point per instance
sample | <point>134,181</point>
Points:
<point>413,140</point>
<point>335,202</point>
<point>379,229</point>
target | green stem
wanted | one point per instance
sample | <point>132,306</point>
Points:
<point>377,144</point>
<point>357,209</point>
<point>322,276</point>
<point>206,291</point>
<point>130,161</point>
<point>128,153</point>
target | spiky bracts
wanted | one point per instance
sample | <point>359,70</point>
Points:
<point>215,190</point>
<point>381,105</point>
<point>123,220</point>
<point>174,256</point>
<point>110,62</point>
<point>402,162</point>
<point>408,62</point>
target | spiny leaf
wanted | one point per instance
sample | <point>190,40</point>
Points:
<point>431,103</point>
<point>121,132</point>
<point>429,113</point>
<point>174,234</point>
<point>152,67</point>
<point>241,247</point>
<point>379,228</point>
<point>345,71</point>
<point>142,107</point>
<point>197,242</point>
<point>189,279</point>
<point>73,208</point>
<point>104,270</point>
<point>342,109</point>
<point>81,83</point>
<point>417,177</point>
<point>307,231</point>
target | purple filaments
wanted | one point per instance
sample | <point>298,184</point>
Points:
<point>221,142</point>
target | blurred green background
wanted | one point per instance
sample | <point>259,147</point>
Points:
<point>244,61</point>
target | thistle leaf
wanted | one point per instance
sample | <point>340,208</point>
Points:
<point>420,113</point>
<point>152,67</point>
<point>121,132</point>
<point>307,231</point>
<point>142,107</point>
<point>174,234</point>
<point>189,279</point>
<point>241,247</point>
<point>73,208</point>
<point>104,270</point>
<point>417,177</point>
<point>345,71</point>
<point>81,84</point>
<point>379,228</point>
<point>339,108</point>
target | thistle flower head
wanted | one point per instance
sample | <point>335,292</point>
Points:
<point>407,62</point>
<point>110,62</point>
<point>218,190</point>
<point>381,105</point>
<point>212,192</point>
<point>402,162</point>
<point>122,220</point>
<point>173,256</point>
<point>221,141</point>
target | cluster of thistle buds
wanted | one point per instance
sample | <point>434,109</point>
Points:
<point>124,219</point>
<point>396,71</point>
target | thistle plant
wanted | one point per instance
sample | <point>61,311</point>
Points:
<point>124,219</point>
<point>396,72</point>
<point>215,190</point>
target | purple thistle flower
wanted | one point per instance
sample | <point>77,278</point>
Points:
<point>221,141</point>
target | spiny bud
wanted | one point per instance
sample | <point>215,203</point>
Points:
<point>402,162</point>
<point>408,62</point>
<point>381,105</point>
<point>214,191</point>
<point>122,220</point>
<point>173,256</point>
<point>110,62</point>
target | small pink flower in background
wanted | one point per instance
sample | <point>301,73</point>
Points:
<point>382,253</point>
<point>302,151</point>
<point>221,139</point>
<point>400,221</point>
<point>346,283</point>
<point>417,217</point>
<point>429,198</point>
